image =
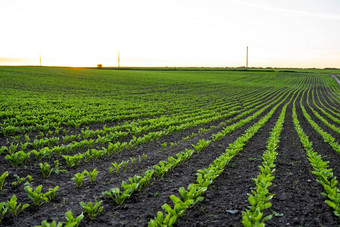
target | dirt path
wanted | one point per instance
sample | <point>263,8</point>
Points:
<point>335,78</point>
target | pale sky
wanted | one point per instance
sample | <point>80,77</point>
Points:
<point>290,33</point>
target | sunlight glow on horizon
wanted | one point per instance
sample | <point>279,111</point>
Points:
<point>176,33</point>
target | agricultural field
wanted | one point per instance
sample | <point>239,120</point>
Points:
<point>100,147</point>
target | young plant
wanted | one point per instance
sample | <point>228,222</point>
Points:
<point>36,196</point>
<point>116,166</point>
<point>164,146</point>
<point>72,221</point>
<point>125,164</point>
<point>92,175</point>
<point>9,130</point>
<point>118,196</point>
<point>46,169</point>
<point>57,169</point>
<point>17,158</point>
<point>86,156</point>
<point>145,181</point>
<point>2,149</point>
<point>27,138</point>
<point>173,213</point>
<point>160,169</point>
<point>93,210</point>
<point>201,145</point>
<point>78,179</point>
<point>18,181</point>
<point>132,160</point>
<point>23,146</point>
<point>72,160</point>
<point>3,210</point>
<point>95,154</point>
<point>44,223</point>
<point>12,148</point>
<point>43,153</point>
<point>30,178</point>
<point>51,193</point>
<point>2,179</point>
<point>14,207</point>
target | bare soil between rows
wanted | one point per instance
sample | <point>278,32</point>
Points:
<point>68,196</point>
<point>297,201</point>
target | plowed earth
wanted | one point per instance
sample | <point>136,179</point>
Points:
<point>297,197</point>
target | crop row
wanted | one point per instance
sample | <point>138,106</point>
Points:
<point>118,143</point>
<point>205,177</point>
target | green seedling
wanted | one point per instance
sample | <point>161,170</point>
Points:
<point>118,196</point>
<point>164,146</point>
<point>27,138</point>
<point>44,223</point>
<point>30,178</point>
<point>160,169</point>
<point>17,158</point>
<point>23,146</point>
<point>71,221</point>
<point>158,221</point>
<point>16,138</point>
<point>72,161</point>
<point>57,169</point>
<point>18,181</point>
<point>14,207</point>
<point>51,193</point>
<point>92,175</point>
<point>78,179</point>
<point>2,149</point>
<point>86,156</point>
<point>46,169</point>
<point>38,197</point>
<point>9,130</point>
<point>93,210</point>
<point>95,154</point>
<point>145,181</point>
<point>3,210</point>
<point>2,179</point>
<point>125,164</point>
<point>12,148</point>
<point>43,153</point>
<point>132,160</point>
<point>116,167</point>
<point>201,145</point>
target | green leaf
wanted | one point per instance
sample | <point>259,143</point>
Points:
<point>267,218</point>
<point>199,199</point>
<point>252,200</point>
<point>266,206</point>
<point>175,199</point>
<point>172,220</point>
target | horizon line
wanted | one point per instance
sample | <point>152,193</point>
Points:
<point>211,67</point>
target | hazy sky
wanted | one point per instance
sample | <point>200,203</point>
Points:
<point>290,33</point>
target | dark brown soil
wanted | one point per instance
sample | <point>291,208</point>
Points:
<point>297,201</point>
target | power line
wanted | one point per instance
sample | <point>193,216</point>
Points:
<point>247,58</point>
<point>118,59</point>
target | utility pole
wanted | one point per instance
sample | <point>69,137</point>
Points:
<point>247,58</point>
<point>118,59</point>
